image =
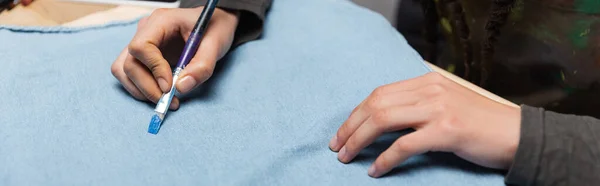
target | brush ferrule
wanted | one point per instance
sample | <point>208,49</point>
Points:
<point>160,116</point>
<point>165,100</point>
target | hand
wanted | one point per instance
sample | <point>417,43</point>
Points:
<point>445,116</point>
<point>142,68</point>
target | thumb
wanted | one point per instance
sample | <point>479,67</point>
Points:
<point>215,43</point>
<point>200,68</point>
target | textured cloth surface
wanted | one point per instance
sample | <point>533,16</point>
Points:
<point>265,118</point>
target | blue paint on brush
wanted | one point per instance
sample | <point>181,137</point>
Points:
<point>154,124</point>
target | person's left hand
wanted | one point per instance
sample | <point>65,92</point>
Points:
<point>446,116</point>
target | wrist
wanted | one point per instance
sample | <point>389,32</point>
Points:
<point>514,123</point>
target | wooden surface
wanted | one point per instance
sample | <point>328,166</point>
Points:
<point>471,86</point>
<point>51,13</point>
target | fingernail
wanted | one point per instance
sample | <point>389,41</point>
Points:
<point>164,86</point>
<point>186,84</point>
<point>333,143</point>
<point>372,171</point>
<point>342,155</point>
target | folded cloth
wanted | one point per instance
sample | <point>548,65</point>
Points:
<point>264,118</point>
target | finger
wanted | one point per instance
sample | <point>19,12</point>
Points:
<point>357,117</point>
<point>160,27</point>
<point>333,143</point>
<point>385,120</point>
<point>215,43</point>
<point>143,80</point>
<point>201,67</point>
<point>377,102</point>
<point>412,144</point>
<point>119,73</point>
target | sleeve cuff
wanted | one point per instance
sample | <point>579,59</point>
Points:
<point>527,158</point>
<point>252,16</point>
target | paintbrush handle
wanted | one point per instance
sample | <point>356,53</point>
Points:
<point>193,42</point>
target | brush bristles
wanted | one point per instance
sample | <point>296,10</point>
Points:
<point>154,124</point>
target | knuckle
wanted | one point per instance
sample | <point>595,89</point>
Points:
<point>136,47</point>
<point>154,66</point>
<point>153,96</point>
<point>403,146</point>
<point>448,125</point>
<point>344,132</point>
<point>436,89</point>
<point>128,68</point>
<point>115,69</point>
<point>383,161</point>
<point>381,118</point>
<point>378,91</point>
<point>374,102</point>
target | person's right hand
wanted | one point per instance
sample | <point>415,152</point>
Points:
<point>143,68</point>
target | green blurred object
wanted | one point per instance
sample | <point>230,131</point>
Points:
<point>541,40</point>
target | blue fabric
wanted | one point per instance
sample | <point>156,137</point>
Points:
<point>265,118</point>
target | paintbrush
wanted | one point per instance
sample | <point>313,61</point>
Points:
<point>191,46</point>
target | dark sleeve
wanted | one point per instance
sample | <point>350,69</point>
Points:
<point>252,16</point>
<point>556,149</point>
